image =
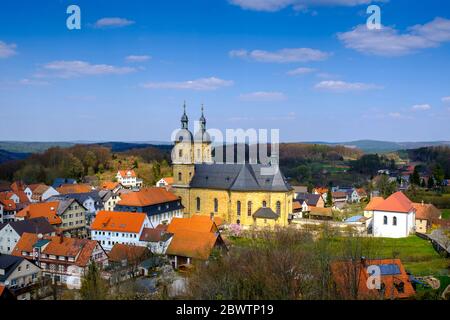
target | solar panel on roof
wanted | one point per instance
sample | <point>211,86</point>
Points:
<point>389,269</point>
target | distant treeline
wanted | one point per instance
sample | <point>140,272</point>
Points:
<point>433,156</point>
<point>74,162</point>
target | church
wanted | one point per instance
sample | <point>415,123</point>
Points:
<point>238,193</point>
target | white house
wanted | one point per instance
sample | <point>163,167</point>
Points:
<point>111,227</point>
<point>128,179</point>
<point>41,192</point>
<point>11,232</point>
<point>157,239</point>
<point>165,182</point>
<point>394,217</point>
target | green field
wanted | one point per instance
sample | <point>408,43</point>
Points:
<point>446,214</point>
<point>417,255</point>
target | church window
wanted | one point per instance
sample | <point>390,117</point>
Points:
<point>394,221</point>
<point>198,203</point>
<point>264,204</point>
<point>249,208</point>
<point>180,153</point>
<point>180,176</point>
<point>216,205</point>
<point>278,207</point>
<point>238,208</point>
<point>385,220</point>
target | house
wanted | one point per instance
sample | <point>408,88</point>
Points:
<point>368,210</point>
<point>9,195</point>
<point>165,182</point>
<point>362,194</point>
<point>339,198</point>
<point>91,201</point>
<point>311,200</point>
<point>109,199</point>
<point>11,232</point>
<point>46,210</point>
<point>124,261</point>
<point>194,238</point>
<point>111,227</point>
<point>157,239</point>
<point>58,182</point>
<point>63,260</point>
<point>111,186</point>
<point>425,215</point>
<point>8,210</point>
<point>74,188</point>
<point>18,275</point>
<point>320,213</point>
<point>351,280</point>
<point>129,179</point>
<point>159,204</point>
<point>394,217</point>
<point>300,189</point>
<point>41,192</point>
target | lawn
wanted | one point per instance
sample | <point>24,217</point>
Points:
<point>418,255</point>
<point>446,214</point>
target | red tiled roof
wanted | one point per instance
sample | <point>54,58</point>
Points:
<point>48,210</point>
<point>373,203</point>
<point>74,188</point>
<point>81,249</point>
<point>132,254</point>
<point>119,221</point>
<point>397,202</point>
<point>147,197</point>
<point>197,223</point>
<point>8,205</point>
<point>343,271</point>
<point>192,244</point>
<point>426,211</point>
<point>124,173</point>
<point>109,185</point>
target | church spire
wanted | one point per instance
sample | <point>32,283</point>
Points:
<point>184,118</point>
<point>202,121</point>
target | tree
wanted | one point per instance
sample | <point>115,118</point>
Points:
<point>93,287</point>
<point>329,198</point>
<point>415,177</point>
<point>438,174</point>
<point>386,187</point>
<point>422,183</point>
<point>430,182</point>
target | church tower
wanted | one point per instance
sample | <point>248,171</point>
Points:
<point>202,143</point>
<point>183,161</point>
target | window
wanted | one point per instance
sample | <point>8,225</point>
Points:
<point>198,203</point>
<point>238,208</point>
<point>264,204</point>
<point>278,208</point>
<point>385,220</point>
<point>394,221</point>
<point>180,176</point>
<point>216,205</point>
<point>180,153</point>
<point>249,209</point>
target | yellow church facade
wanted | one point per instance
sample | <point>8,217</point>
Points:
<point>238,193</point>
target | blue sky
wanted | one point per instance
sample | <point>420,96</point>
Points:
<point>309,68</point>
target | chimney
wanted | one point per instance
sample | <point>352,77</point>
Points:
<point>61,237</point>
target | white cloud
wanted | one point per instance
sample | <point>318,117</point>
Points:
<point>203,84</point>
<point>7,50</point>
<point>396,115</point>
<point>281,56</point>
<point>113,23</point>
<point>31,82</point>
<point>446,99</point>
<point>300,71</point>
<point>421,107</point>
<point>390,42</point>
<point>134,58</point>
<point>276,5</point>
<point>342,86</point>
<point>263,96</point>
<point>70,69</point>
